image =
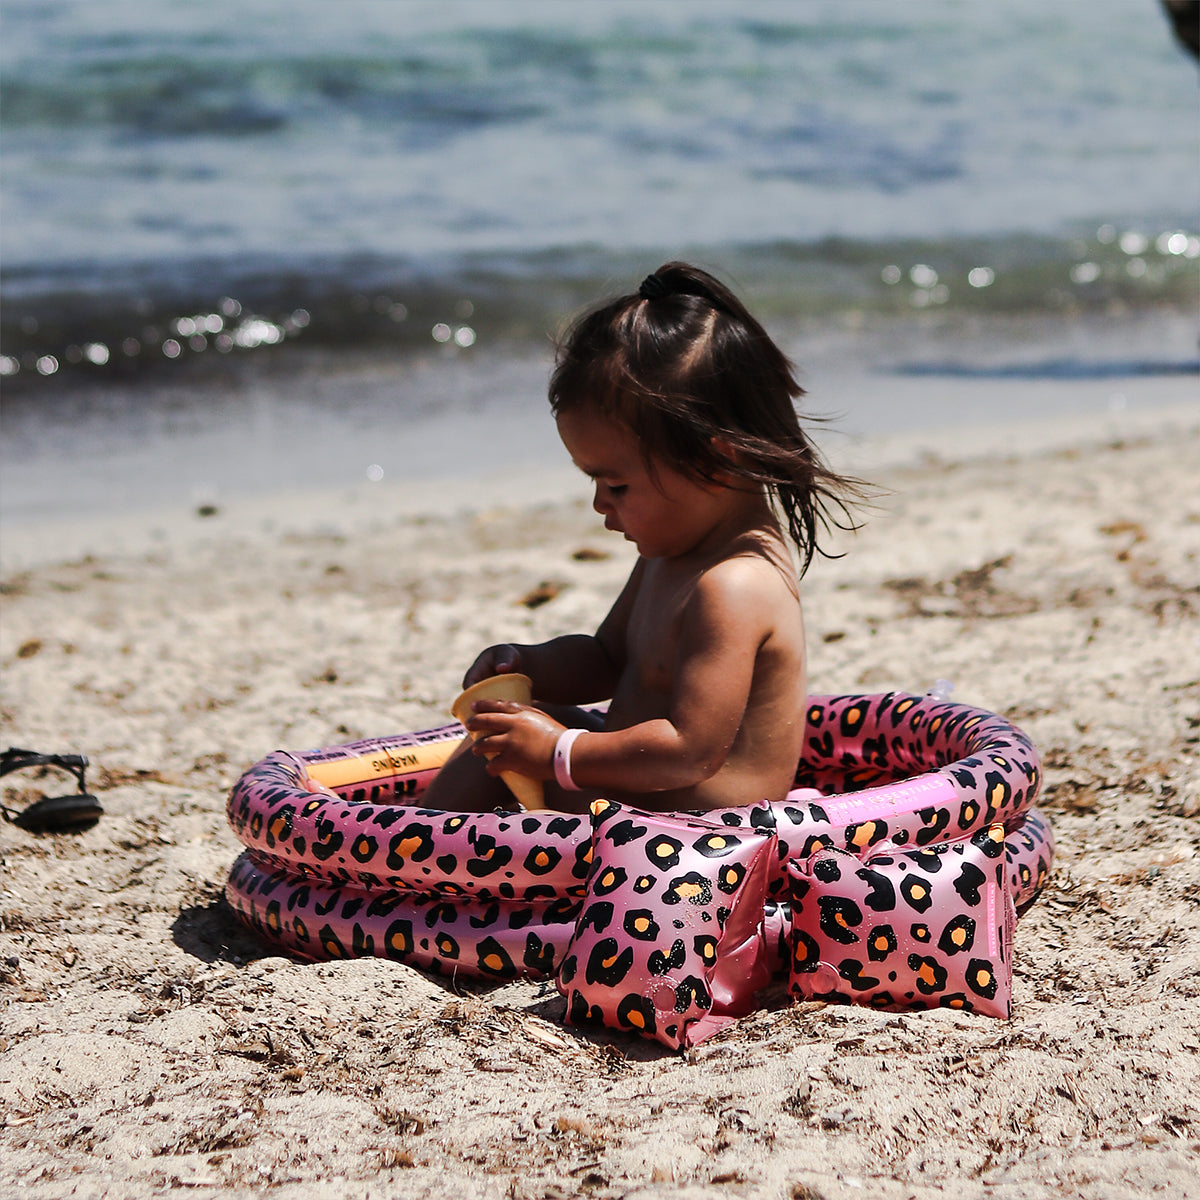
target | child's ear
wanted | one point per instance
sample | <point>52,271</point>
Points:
<point>724,449</point>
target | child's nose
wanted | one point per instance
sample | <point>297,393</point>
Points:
<point>601,502</point>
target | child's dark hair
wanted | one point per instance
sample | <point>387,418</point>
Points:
<point>701,385</point>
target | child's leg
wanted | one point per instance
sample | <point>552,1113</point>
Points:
<point>463,784</point>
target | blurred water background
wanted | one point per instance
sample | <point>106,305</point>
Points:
<point>290,232</point>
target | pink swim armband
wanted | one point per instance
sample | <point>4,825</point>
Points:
<point>562,759</point>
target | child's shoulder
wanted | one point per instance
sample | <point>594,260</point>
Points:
<point>746,584</point>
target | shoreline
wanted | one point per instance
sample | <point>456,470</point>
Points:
<point>364,509</point>
<point>149,1046</point>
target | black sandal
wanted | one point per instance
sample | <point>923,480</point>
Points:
<point>52,814</point>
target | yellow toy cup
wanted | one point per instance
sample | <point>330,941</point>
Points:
<point>517,688</point>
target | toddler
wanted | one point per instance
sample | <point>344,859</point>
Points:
<point>679,407</point>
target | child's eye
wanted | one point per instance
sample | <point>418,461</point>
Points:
<point>618,489</point>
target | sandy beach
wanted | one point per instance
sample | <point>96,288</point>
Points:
<point>149,1045</point>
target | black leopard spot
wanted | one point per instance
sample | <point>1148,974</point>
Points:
<point>330,944</point>
<point>413,843</point>
<point>609,879</point>
<point>691,991</point>
<point>806,954</point>
<point>640,924</point>
<point>729,877</point>
<point>934,822</point>
<point>329,841</point>
<point>542,859</point>
<point>868,833</point>
<point>981,979</point>
<point>882,896</point>
<point>494,959</point>
<point>931,975</point>
<point>917,892</point>
<point>958,935</point>
<point>827,870</point>
<point>660,963</point>
<point>279,827</point>
<point>637,1012</point>
<point>490,856</point>
<point>929,861</point>
<point>608,964</point>
<point>850,969</point>
<point>715,845</point>
<point>363,847</point>
<point>881,942</point>
<point>447,947</point>
<point>663,851</point>
<point>597,916</point>
<point>384,904</point>
<point>852,720</point>
<point>705,946</point>
<point>490,915</point>
<point>692,887</point>
<point>838,916</point>
<point>581,1013</point>
<point>970,880</point>
<point>990,841</point>
<point>567,969</point>
<point>621,833</point>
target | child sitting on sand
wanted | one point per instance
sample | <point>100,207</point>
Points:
<point>679,407</point>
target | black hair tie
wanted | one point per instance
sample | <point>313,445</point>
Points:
<point>652,288</point>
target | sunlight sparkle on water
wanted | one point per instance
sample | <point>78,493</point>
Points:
<point>1133,242</point>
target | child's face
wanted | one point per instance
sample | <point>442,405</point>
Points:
<point>664,514</point>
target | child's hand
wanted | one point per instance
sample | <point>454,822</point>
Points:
<point>514,737</point>
<point>503,659</point>
<point>311,785</point>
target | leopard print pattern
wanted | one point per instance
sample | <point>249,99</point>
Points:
<point>496,894</point>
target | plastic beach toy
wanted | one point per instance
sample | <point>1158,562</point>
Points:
<point>519,689</point>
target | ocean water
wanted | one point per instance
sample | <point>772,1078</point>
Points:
<point>362,172</point>
<point>220,215</point>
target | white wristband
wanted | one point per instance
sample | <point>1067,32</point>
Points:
<point>562,759</point>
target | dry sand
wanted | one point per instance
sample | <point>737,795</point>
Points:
<point>148,1044</point>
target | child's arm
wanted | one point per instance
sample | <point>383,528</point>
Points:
<point>578,668</point>
<point>724,624</point>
